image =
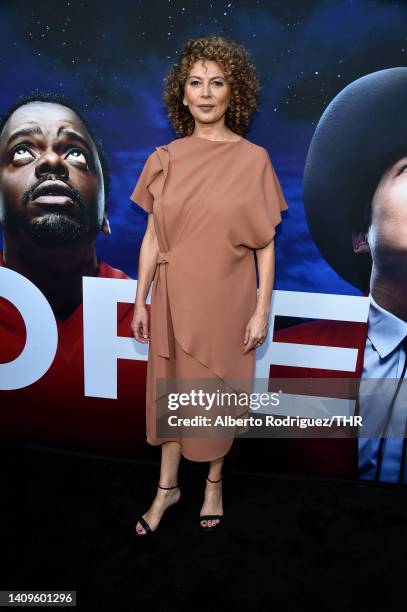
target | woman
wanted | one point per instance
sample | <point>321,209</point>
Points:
<point>213,199</point>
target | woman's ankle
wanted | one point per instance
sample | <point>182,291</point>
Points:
<point>216,480</point>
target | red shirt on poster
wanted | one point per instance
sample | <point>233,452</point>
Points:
<point>54,410</point>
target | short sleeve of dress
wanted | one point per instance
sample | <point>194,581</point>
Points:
<point>266,203</point>
<point>272,197</point>
<point>141,194</point>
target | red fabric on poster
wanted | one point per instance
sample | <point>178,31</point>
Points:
<point>54,409</point>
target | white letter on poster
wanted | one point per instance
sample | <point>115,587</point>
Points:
<point>41,328</point>
<point>102,346</point>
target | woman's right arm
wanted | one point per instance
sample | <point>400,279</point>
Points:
<point>146,269</point>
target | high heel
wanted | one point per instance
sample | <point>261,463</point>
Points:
<point>148,530</point>
<point>211,517</point>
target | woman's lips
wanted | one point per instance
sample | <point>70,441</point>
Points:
<point>206,107</point>
<point>53,199</point>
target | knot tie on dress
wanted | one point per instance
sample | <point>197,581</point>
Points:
<point>163,257</point>
<point>163,342</point>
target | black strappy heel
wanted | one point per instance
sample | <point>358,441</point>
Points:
<point>143,522</point>
<point>211,517</point>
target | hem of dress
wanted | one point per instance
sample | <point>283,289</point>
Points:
<point>186,456</point>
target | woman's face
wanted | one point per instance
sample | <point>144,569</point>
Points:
<point>206,92</point>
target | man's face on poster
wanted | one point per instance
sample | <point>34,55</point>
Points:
<point>51,181</point>
<point>386,238</point>
<point>388,233</point>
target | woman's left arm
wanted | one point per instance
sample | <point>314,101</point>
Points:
<point>257,327</point>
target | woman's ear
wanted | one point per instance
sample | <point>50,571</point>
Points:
<point>360,243</point>
<point>106,227</point>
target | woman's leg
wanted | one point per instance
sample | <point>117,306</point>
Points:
<point>170,459</point>
<point>213,503</point>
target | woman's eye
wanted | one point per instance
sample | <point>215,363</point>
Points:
<point>217,83</point>
<point>22,153</point>
<point>402,168</point>
<point>77,155</point>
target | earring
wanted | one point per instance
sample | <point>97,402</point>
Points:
<point>358,241</point>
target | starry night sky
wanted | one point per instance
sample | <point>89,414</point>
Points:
<point>111,58</point>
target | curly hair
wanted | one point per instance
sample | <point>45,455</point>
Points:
<point>240,74</point>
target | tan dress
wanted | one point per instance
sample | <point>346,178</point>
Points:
<point>213,202</point>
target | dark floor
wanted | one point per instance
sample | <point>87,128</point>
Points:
<point>286,544</point>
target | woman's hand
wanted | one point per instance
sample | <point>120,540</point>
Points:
<point>256,331</point>
<point>139,324</point>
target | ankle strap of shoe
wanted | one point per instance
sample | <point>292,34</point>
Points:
<point>174,487</point>
<point>214,480</point>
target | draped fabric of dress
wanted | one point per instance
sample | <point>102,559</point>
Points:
<point>214,203</point>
